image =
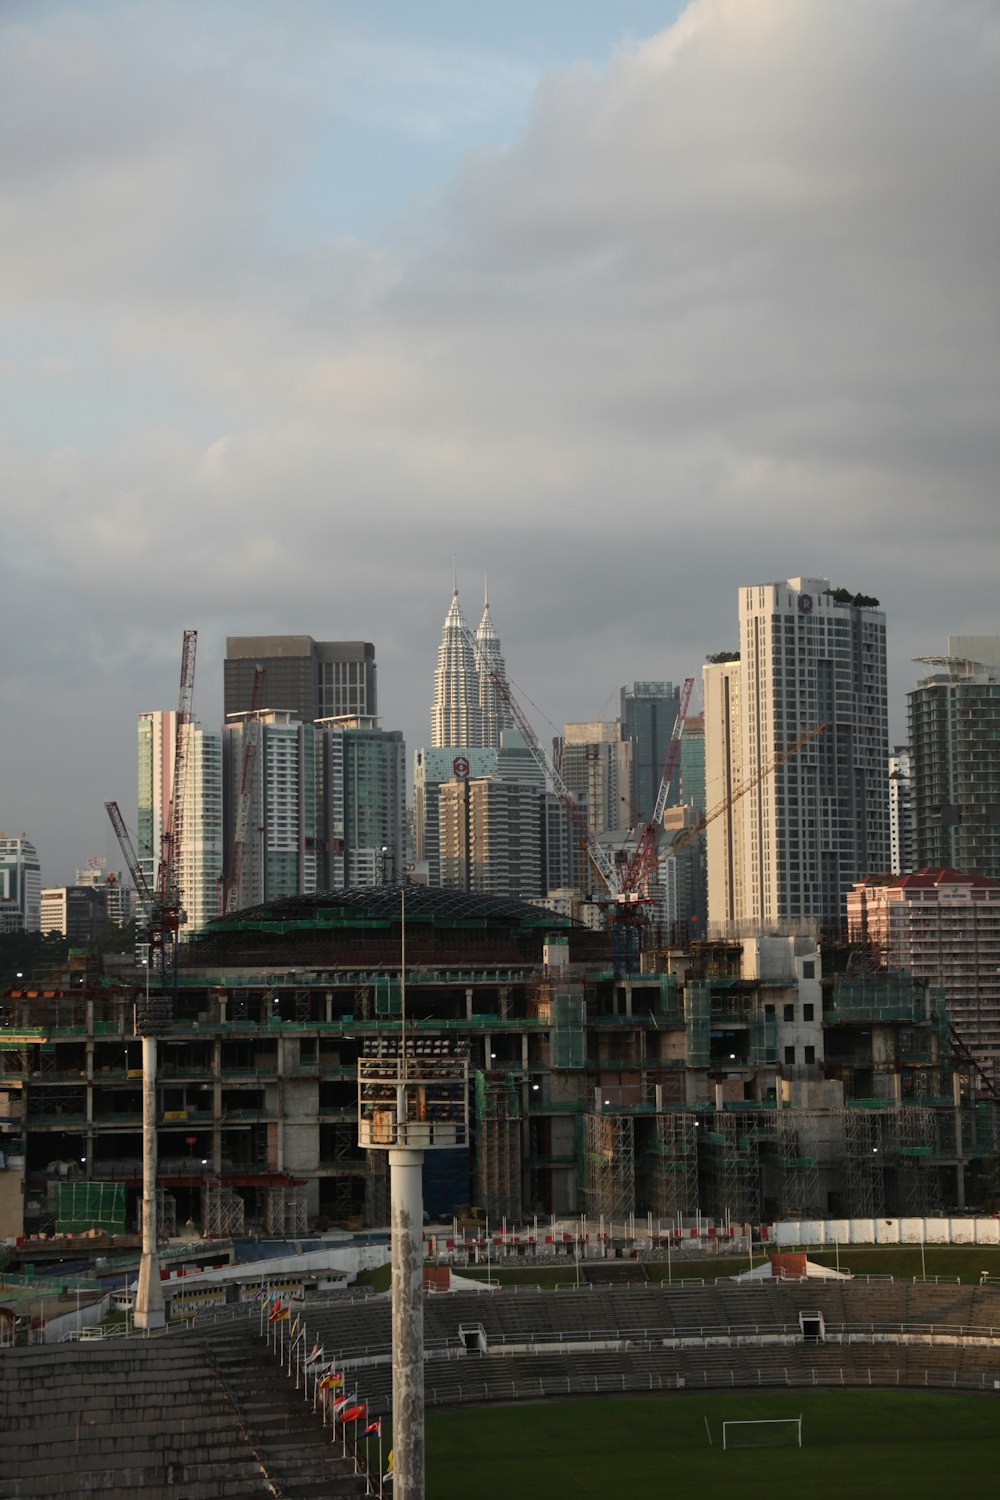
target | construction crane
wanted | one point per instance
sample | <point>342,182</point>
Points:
<point>643,864</point>
<point>597,855</point>
<point>142,890</point>
<point>689,834</point>
<point>162,904</point>
<point>251,739</point>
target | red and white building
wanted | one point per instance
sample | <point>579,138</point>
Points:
<point>943,926</point>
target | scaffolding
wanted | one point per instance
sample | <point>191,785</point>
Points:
<point>673,1166</point>
<point>569,1046</point>
<point>865,1163</point>
<point>224,1211</point>
<point>891,1162</point>
<point>609,1162</point>
<point>285,1214</point>
<point>731,1167</point>
<point>498,1145</point>
<point>698,1023</point>
<point>793,1174</point>
<point>166,1213</point>
<point>85,1206</point>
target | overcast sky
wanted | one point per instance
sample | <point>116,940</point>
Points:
<point>629,304</point>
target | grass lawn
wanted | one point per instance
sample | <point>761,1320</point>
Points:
<point>863,1444</point>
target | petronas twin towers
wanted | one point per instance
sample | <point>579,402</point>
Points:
<point>467,708</point>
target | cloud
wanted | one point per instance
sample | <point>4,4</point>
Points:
<point>726,311</point>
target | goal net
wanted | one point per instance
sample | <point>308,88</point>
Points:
<point>785,1432</point>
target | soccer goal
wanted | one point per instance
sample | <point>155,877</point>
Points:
<point>767,1432</point>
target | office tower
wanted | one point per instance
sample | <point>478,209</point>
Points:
<point>648,713</point>
<point>900,812</point>
<point>724,859</point>
<point>456,714</point>
<point>76,912</point>
<point>280,851</point>
<point>687,874</point>
<point>811,827</point>
<point>490,836</point>
<point>595,762</point>
<point>306,678</point>
<point>493,717</point>
<point>198,860</point>
<point>943,927</point>
<point>20,885</point>
<point>361,792</point>
<point>431,767</point>
<point>954,728</point>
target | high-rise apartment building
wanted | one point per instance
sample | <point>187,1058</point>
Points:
<point>198,860</point>
<point>456,713</point>
<point>491,837</point>
<point>943,927</point>
<point>306,678</point>
<point>76,912</point>
<point>900,812</point>
<point>692,762</point>
<point>954,728</point>
<point>20,885</point>
<point>811,827</point>
<point>361,787</point>
<point>648,714</point>
<point>431,767</point>
<point>595,762</point>
<point>280,851</point>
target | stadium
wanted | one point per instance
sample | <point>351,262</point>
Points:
<point>616,1383</point>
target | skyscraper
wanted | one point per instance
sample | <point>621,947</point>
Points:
<point>280,851</point>
<point>361,787</point>
<point>493,717</point>
<point>456,713</point>
<point>648,713</point>
<point>198,860</point>
<point>954,719</point>
<point>309,679</point>
<point>595,762</point>
<point>20,885</point>
<point>808,830</point>
<point>900,812</point>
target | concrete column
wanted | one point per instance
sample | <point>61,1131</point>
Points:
<point>407,1225</point>
<point>468,1003</point>
<point>149,1311</point>
<point>956,1089</point>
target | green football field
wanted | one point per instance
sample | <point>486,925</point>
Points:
<point>854,1444</point>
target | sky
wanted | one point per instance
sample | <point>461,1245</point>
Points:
<point>305,302</point>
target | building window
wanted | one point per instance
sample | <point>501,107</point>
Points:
<point>810,1054</point>
<point>809,969</point>
<point>789,1012</point>
<point>789,1054</point>
<point>807,1012</point>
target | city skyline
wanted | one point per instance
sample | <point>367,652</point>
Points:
<point>630,310</point>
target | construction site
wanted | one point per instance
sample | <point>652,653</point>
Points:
<point>733,1080</point>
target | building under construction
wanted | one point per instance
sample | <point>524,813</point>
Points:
<point>732,1079</point>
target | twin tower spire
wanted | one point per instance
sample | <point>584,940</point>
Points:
<point>467,711</point>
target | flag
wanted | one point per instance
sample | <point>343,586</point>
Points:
<point>374,1429</point>
<point>354,1413</point>
<point>295,1324</point>
<point>279,1315</point>
<point>388,1467</point>
<point>338,1406</point>
<point>333,1379</point>
<point>315,1354</point>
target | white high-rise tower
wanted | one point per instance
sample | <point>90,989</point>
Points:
<point>456,715</point>
<point>792,846</point>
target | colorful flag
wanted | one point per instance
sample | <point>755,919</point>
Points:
<point>295,1324</point>
<point>338,1406</point>
<point>354,1413</point>
<point>279,1315</point>
<point>315,1354</point>
<point>388,1466</point>
<point>374,1429</point>
<point>334,1378</point>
